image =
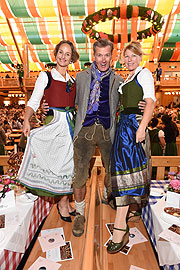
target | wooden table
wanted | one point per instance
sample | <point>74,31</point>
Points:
<point>10,259</point>
<point>154,225</point>
<point>13,136</point>
<point>9,147</point>
<point>16,130</point>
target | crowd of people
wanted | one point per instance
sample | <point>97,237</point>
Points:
<point>12,117</point>
<point>56,161</point>
<point>163,131</point>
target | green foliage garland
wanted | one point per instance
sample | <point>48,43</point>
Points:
<point>114,13</point>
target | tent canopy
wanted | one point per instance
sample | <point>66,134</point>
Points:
<point>34,27</point>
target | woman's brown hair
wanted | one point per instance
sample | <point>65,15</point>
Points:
<point>75,54</point>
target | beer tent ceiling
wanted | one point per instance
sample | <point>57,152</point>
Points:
<point>36,26</point>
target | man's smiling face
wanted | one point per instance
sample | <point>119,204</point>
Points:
<point>103,58</point>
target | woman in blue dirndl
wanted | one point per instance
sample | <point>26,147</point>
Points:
<point>130,157</point>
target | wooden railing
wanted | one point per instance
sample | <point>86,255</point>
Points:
<point>88,256</point>
<point>161,162</point>
<point>30,82</point>
<point>14,82</point>
<point>170,81</point>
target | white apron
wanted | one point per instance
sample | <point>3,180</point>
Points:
<point>48,159</point>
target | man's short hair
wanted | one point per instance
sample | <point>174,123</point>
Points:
<point>102,43</point>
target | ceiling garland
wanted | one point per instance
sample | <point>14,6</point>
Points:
<point>123,12</point>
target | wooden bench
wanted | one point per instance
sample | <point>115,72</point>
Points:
<point>161,162</point>
<point>4,162</point>
<point>178,144</point>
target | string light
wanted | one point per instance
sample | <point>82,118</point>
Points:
<point>172,93</point>
<point>16,95</point>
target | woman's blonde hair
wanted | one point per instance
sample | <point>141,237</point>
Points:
<point>135,47</point>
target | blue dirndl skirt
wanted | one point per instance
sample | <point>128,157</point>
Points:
<point>129,165</point>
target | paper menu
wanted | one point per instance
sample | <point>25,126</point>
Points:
<point>51,241</point>
<point>63,253</point>
<point>171,234</point>
<point>47,231</point>
<point>136,237</point>
<point>136,268</point>
<point>43,263</point>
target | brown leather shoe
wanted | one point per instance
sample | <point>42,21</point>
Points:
<point>78,225</point>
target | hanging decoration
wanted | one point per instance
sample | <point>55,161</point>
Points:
<point>103,15</point>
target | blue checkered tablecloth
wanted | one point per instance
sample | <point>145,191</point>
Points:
<point>148,220</point>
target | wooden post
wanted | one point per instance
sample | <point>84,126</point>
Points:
<point>26,70</point>
<point>89,244</point>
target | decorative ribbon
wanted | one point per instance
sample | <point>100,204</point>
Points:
<point>134,23</point>
<point>176,53</point>
<point>123,16</point>
<point>86,43</point>
<point>71,122</point>
<point>177,11</point>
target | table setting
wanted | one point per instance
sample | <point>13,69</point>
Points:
<point>21,213</point>
<point>160,217</point>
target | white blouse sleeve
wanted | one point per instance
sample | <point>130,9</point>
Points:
<point>38,91</point>
<point>146,80</point>
<point>161,134</point>
<point>120,88</point>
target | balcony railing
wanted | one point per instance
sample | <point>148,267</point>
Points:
<point>168,81</point>
<point>9,83</point>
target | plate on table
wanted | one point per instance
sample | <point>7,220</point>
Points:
<point>27,198</point>
<point>170,219</point>
<point>171,215</point>
<point>156,192</point>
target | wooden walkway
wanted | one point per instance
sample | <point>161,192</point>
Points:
<point>53,221</point>
<point>140,255</point>
<point>78,243</point>
<point>88,250</point>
